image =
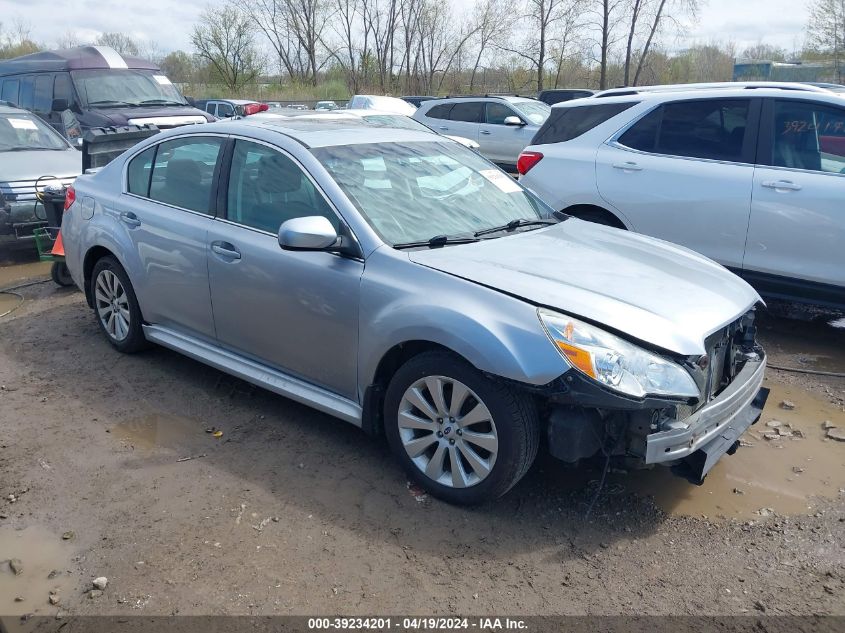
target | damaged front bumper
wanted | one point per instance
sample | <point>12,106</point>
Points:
<point>714,428</point>
<point>585,419</point>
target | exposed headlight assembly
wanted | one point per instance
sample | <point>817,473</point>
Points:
<point>614,362</point>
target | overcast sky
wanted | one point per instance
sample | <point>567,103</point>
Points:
<point>168,22</point>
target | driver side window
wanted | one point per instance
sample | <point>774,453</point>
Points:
<point>266,189</point>
<point>497,113</point>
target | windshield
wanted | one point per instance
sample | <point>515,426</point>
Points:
<point>116,88</point>
<point>398,121</point>
<point>25,132</point>
<point>412,192</point>
<point>535,111</point>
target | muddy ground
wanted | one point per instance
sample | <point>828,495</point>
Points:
<point>107,469</point>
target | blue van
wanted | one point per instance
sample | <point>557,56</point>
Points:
<point>76,89</point>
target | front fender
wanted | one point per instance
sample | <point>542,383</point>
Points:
<point>402,301</point>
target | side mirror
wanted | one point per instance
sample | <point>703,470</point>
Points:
<point>59,105</point>
<point>514,120</point>
<point>311,233</point>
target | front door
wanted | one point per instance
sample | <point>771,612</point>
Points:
<point>166,213</point>
<point>294,310</point>
<point>797,229</point>
<point>683,173</point>
<point>499,142</point>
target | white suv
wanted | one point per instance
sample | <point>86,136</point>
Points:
<point>751,175</point>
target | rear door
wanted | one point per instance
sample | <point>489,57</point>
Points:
<point>683,173</point>
<point>167,213</point>
<point>465,117</point>
<point>796,235</point>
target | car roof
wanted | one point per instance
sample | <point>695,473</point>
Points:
<point>79,58</point>
<point>711,86</point>
<point>456,98</point>
<point>659,94</point>
<point>321,130</point>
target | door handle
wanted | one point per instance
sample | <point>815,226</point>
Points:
<point>442,127</point>
<point>627,166</point>
<point>129,218</point>
<point>225,250</point>
<point>485,132</point>
<point>782,185</point>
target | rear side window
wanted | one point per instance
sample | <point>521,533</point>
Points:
<point>43,93</point>
<point>809,136</point>
<point>565,124</point>
<point>10,91</point>
<point>712,128</point>
<point>468,112</point>
<point>139,171</point>
<point>27,94</point>
<point>440,111</point>
<point>184,172</point>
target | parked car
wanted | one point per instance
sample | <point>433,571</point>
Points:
<point>324,106</point>
<point>753,177</point>
<point>32,156</point>
<point>77,89</point>
<point>502,126</point>
<point>228,108</point>
<point>379,119</point>
<point>417,100</point>
<point>559,95</point>
<point>404,284</point>
<point>378,102</point>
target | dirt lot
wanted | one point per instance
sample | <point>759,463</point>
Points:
<point>293,512</point>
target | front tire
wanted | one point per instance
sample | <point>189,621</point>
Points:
<point>462,436</point>
<point>116,307</point>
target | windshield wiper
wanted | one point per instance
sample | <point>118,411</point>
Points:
<point>160,102</point>
<point>437,241</point>
<point>111,102</point>
<point>513,225</point>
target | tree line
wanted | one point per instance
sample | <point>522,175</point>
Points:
<point>430,47</point>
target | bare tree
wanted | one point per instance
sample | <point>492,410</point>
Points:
<point>352,52</point>
<point>541,16</point>
<point>120,42</point>
<point>493,21</point>
<point>224,39</point>
<point>826,31</point>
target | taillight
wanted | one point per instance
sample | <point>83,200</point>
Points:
<point>70,197</point>
<point>263,107</point>
<point>527,160</point>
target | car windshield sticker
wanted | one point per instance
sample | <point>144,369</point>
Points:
<point>164,81</point>
<point>23,124</point>
<point>502,181</point>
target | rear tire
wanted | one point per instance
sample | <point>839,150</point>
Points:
<point>462,436</point>
<point>116,307</point>
<point>60,274</point>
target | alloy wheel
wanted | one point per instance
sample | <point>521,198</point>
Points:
<point>447,431</point>
<point>112,305</point>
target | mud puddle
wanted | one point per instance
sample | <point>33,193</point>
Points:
<point>158,430</point>
<point>785,476</point>
<point>813,345</point>
<point>44,568</point>
<point>18,273</point>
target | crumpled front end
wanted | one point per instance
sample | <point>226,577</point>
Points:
<point>690,436</point>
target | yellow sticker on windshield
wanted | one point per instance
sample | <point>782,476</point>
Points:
<point>501,180</point>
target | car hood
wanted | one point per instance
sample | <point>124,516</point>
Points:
<point>662,294</point>
<point>28,166</point>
